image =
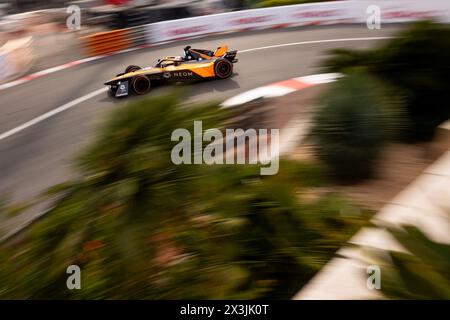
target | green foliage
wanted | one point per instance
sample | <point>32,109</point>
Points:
<point>422,273</point>
<point>142,228</point>
<point>416,65</point>
<point>304,174</point>
<point>8,211</point>
<point>351,125</point>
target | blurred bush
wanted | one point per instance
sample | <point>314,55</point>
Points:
<point>305,174</point>
<point>416,65</point>
<point>351,125</point>
<point>140,227</point>
<point>421,273</point>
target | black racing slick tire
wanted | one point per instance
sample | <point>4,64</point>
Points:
<point>140,84</point>
<point>223,68</point>
<point>132,68</point>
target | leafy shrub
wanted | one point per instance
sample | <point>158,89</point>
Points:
<point>140,227</point>
<point>416,64</point>
<point>303,173</point>
<point>350,127</point>
<point>422,273</point>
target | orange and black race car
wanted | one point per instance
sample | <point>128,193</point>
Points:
<point>195,64</point>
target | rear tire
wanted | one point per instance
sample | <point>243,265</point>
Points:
<point>140,84</point>
<point>223,68</point>
<point>132,68</point>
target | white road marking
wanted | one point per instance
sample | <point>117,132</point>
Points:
<point>51,113</point>
<point>88,96</point>
<point>312,42</point>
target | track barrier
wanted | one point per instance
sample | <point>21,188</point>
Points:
<point>108,42</point>
<point>336,12</point>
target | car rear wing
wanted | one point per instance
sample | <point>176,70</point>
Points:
<point>231,56</point>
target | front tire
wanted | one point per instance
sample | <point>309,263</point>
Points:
<point>223,68</point>
<point>140,84</point>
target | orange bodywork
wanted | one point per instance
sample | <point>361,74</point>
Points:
<point>204,69</point>
<point>221,51</point>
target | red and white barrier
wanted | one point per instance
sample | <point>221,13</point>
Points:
<point>400,11</point>
<point>354,11</point>
<point>281,88</point>
<point>237,21</point>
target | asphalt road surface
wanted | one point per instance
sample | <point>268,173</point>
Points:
<point>41,155</point>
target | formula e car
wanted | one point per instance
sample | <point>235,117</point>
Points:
<point>195,64</point>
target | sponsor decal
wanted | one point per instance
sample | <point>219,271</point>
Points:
<point>317,13</point>
<point>187,30</point>
<point>398,14</point>
<point>166,75</point>
<point>122,89</point>
<point>251,20</point>
<point>183,74</point>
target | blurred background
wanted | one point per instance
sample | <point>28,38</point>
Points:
<point>359,94</point>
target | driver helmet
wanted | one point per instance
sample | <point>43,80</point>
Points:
<point>187,53</point>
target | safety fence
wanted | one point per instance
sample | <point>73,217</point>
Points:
<point>337,12</point>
